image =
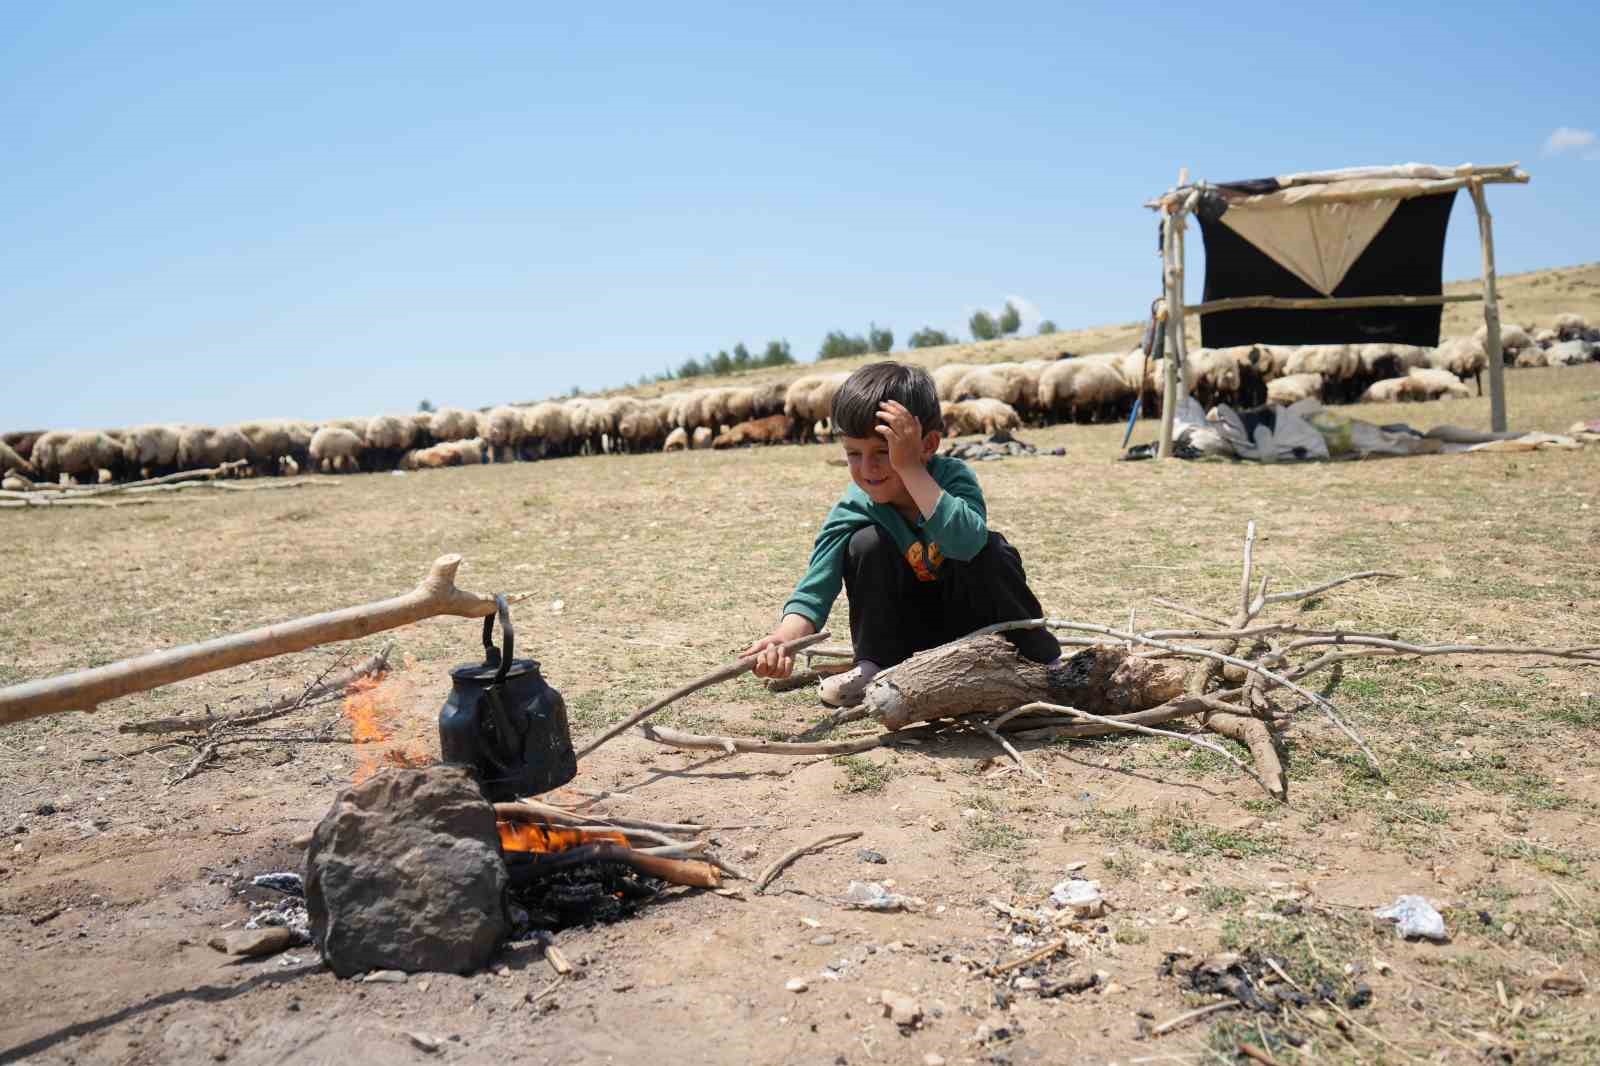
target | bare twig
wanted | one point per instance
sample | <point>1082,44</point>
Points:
<point>1189,1016</point>
<point>672,738</point>
<point>732,670</point>
<point>1249,562</point>
<point>771,873</point>
<point>1027,960</point>
<point>1185,737</point>
<point>1306,594</point>
<point>1007,747</point>
<point>1192,613</point>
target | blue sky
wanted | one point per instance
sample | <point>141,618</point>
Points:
<point>224,211</point>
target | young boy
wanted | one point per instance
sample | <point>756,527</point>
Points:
<point>909,541</point>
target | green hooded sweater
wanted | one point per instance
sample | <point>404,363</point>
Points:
<point>957,529</point>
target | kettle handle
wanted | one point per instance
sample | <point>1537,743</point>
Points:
<point>491,654</point>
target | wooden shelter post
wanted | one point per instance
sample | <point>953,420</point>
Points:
<point>1169,364</point>
<point>1491,311</point>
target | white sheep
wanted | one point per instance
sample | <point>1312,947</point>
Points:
<point>1572,353</point>
<point>152,449</point>
<point>70,455</point>
<point>947,377</point>
<point>677,440</point>
<point>1421,383</point>
<point>204,447</point>
<point>391,433</point>
<point>702,437</point>
<point>546,427</point>
<point>335,448</point>
<point>1571,326</point>
<point>452,423</point>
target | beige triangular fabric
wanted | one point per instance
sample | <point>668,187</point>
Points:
<point>1317,243</point>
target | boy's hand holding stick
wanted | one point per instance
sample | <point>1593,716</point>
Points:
<point>783,649</point>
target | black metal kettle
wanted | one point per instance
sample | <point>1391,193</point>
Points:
<point>504,723</point>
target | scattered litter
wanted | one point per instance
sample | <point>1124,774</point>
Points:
<point>900,1009</point>
<point>287,882</point>
<point>1414,917</point>
<point>1082,896</point>
<point>385,977</point>
<point>873,896</point>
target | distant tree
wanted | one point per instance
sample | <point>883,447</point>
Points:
<point>741,356</point>
<point>880,340</point>
<point>425,405</point>
<point>983,326</point>
<point>840,345</point>
<point>1046,326</point>
<point>777,354</point>
<point>928,337</point>
<point>691,368</point>
<point>575,391</point>
<point>1010,319</point>
<point>722,363</point>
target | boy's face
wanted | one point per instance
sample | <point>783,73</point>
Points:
<point>870,469</point>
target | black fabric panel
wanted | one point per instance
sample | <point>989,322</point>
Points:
<point>1406,258</point>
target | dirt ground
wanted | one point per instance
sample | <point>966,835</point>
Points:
<point>645,571</point>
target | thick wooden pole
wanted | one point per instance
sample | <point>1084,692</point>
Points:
<point>87,689</point>
<point>1328,303</point>
<point>1491,312</point>
<point>1169,363</point>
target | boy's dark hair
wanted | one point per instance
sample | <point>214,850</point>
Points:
<point>855,405</point>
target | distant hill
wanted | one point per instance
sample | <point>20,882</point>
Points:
<point>1532,300</point>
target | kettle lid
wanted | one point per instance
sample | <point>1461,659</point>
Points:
<point>484,673</point>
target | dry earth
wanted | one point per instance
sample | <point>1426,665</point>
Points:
<point>646,571</point>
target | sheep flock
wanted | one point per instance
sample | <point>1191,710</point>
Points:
<point>975,398</point>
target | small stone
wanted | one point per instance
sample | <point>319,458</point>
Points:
<point>930,1059</point>
<point>900,1009</point>
<point>824,940</point>
<point>810,923</point>
<point>424,1042</point>
<point>1245,825</point>
<point>254,943</point>
<point>385,977</point>
<point>423,986</point>
<point>868,855</point>
<point>971,814</point>
<point>1180,915</point>
<point>796,984</point>
<point>1112,989</point>
<point>749,851</point>
<point>1074,867</point>
<point>1026,984</point>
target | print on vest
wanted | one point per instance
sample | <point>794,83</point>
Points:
<point>925,566</point>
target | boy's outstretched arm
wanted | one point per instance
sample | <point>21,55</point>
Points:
<point>771,659</point>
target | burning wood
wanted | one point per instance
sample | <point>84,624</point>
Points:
<point>536,848</point>
<point>544,838</point>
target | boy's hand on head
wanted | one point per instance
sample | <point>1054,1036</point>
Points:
<point>903,431</point>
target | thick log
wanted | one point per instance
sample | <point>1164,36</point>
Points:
<point>986,675</point>
<point>87,689</point>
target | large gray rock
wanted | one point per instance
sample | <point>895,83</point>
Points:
<point>405,873</point>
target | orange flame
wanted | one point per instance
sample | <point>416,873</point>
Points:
<point>372,719</point>
<point>544,838</point>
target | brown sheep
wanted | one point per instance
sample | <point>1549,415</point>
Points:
<point>452,423</point>
<point>774,429</point>
<point>1294,388</point>
<point>546,428</point>
<point>21,442</point>
<point>982,415</point>
<point>11,461</point>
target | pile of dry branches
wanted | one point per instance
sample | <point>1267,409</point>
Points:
<point>1244,678</point>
